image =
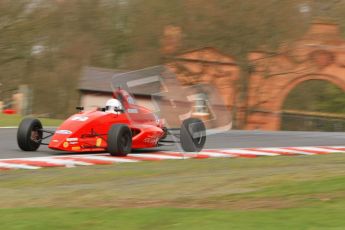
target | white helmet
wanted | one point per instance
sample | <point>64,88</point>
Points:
<point>113,104</point>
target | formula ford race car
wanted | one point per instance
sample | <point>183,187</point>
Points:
<point>117,128</point>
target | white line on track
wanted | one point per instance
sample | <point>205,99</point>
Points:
<point>67,162</point>
<point>317,149</point>
<point>110,159</point>
<point>248,152</point>
<point>157,155</point>
<point>17,166</point>
<point>279,150</point>
<point>99,158</point>
<point>214,154</point>
<point>15,127</point>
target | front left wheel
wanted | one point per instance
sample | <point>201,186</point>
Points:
<point>29,134</point>
<point>119,140</point>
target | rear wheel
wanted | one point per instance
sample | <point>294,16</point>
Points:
<point>29,134</point>
<point>192,135</point>
<point>119,140</point>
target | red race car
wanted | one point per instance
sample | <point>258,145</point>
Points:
<point>117,128</point>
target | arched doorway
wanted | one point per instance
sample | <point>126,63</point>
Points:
<point>315,104</point>
<point>266,99</point>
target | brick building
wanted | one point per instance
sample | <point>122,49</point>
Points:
<point>318,55</point>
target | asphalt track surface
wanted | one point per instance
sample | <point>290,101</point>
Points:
<point>231,139</point>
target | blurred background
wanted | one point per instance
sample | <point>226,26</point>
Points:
<point>277,65</point>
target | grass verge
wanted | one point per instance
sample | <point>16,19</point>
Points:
<point>306,192</point>
<point>169,218</point>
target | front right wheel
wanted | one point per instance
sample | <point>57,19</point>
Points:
<point>192,135</point>
<point>119,140</point>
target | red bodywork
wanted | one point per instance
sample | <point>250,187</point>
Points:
<point>87,131</point>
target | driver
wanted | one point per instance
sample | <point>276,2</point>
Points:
<point>113,104</point>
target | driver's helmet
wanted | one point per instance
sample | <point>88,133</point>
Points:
<point>113,104</point>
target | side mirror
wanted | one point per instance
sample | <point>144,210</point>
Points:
<point>80,108</point>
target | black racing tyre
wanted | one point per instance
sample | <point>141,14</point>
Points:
<point>29,134</point>
<point>192,135</point>
<point>165,130</point>
<point>119,140</point>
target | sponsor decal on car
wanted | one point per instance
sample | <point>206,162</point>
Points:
<point>73,143</point>
<point>151,139</point>
<point>132,110</point>
<point>72,139</point>
<point>65,144</point>
<point>79,118</point>
<point>63,131</point>
<point>99,142</point>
